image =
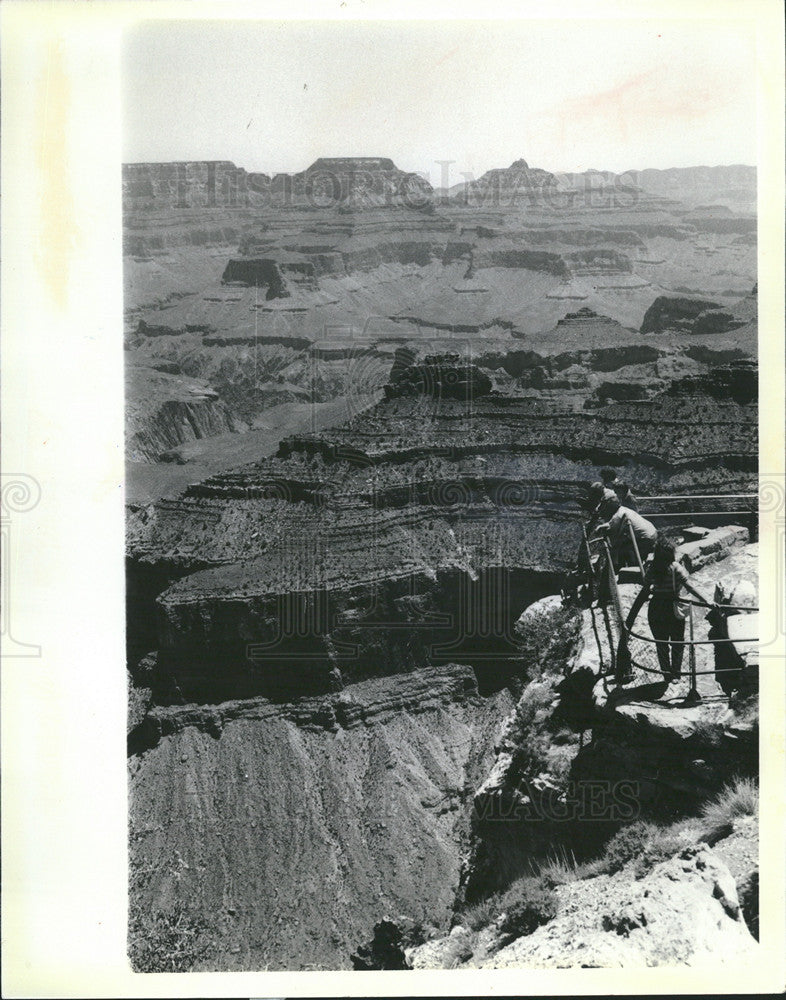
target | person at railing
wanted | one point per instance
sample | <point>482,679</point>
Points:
<point>624,495</point>
<point>598,495</point>
<point>579,582</point>
<point>618,524</point>
<point>622,490</point>
<point>663,581</point>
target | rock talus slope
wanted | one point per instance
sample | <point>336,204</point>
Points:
<point>294,836</point>
<point>684,912</point>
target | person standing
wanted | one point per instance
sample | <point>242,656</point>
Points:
<point>666,614</point>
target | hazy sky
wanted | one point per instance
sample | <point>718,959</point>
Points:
<point>570,95</point>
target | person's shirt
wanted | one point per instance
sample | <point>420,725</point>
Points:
<point>667,586</point>
<point>669,583</point>
<point>643,530</point>
<point>608,494</point>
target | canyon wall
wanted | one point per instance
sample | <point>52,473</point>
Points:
<point>293,827</point>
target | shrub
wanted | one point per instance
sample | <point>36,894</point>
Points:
<point>561,868</point>
<point>626,845</point>
<point>532,711</point>
<point>708,734</point>
<point>739,798</point>
<point>642,845</point>
<point>386,948</point>
<point>457,951</point>
<point>662,845</point>
<point>527,904</point>
<point>531,731</point>
<point>481,914</point>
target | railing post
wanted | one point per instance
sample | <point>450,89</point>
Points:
<point>636,552</point>
<point>611,582</point>
<point>693,696</point>
<point>588,557</point>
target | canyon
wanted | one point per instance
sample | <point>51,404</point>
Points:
<point>363,415</point>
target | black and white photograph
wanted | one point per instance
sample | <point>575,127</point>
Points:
<point>443,488</point>
<point>442,496</point>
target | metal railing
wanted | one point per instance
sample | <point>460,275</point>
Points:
<point>604,590</point>
<point>700,507</point>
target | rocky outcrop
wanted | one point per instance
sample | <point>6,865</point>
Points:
<point>498,254</point>
<point>366,703</point>
<point>626,391</point>
<point>441,377</point>
<point>191,184</point>
<point>366,255</point>
<point>175,411</point>
<point>525,808</point>
<point>679,752</point>
<point>352,183</point>
<point>598,261</point>
<point>715,321</point>
<point>686,911</point>
<point>647,753</point>
<point>739,851</point>
<point>713,219</point>
<point>581,236</point>
<point>737,381</point>
<point>660,431</point>
<point>694,316</point>
<point>518,185</point>
<point>366,537</point>
<point>274,275</point>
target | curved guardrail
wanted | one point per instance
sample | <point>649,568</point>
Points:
<point>625,633</point>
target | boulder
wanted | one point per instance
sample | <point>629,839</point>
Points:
<point>740,853</point>
<point>537,611</point>
<point>443,953</point>
<point>715,545</point>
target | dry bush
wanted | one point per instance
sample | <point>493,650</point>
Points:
<point>739,798</point>
<point>561,867</point>
<point>458,951</point>
<point>626,845</point>
<point>527,904</point>
<point>643,845</point>
<point>482,914</point>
